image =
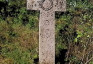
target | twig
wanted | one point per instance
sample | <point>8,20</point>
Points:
<point>89,60</point>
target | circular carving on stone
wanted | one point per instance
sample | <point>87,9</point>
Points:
<point>46,9</point>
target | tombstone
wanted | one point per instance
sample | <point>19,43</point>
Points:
<point>47,26</point>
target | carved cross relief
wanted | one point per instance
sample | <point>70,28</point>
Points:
<point>47,26</point>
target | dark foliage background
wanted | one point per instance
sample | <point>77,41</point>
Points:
<point>19,33</point>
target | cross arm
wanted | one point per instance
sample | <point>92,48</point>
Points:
<point>60,5</point>
<point>33,4</point>
<point>57,5</point>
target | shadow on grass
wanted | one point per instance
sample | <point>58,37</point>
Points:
<point>61,58</point>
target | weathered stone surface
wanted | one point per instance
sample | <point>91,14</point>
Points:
<point>33,5</point>
<point>47,27</point>
<point>58,5</point>
<point>47,37</point>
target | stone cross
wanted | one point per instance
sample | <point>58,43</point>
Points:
<point>47,27</point>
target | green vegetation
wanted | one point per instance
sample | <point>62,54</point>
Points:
<point>19,33</point>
